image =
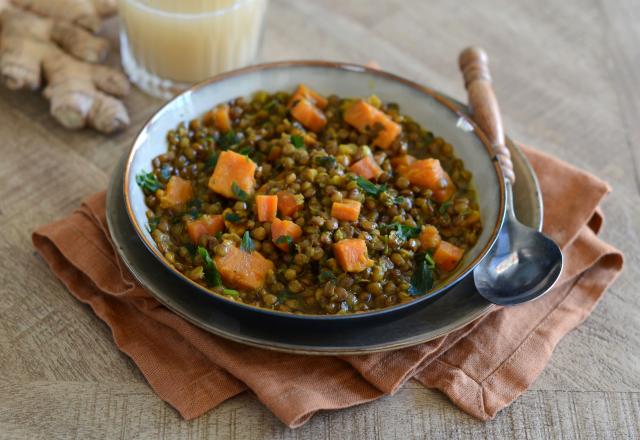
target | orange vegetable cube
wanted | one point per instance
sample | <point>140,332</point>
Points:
<point>207,224</point>
<point>283,228</point>
<point>267,207</point>
<point>363,116</point>
<point>304,92</point>
<point>426,173</point>
<point>308,115</point>
<point>366,167</point>
<point>233,167</point>
<point>178,192</point>
<point>287,203</point>
<point>447,256</point>
<point>222,119</point>
<point>352,254</point>
<point>429,238</point>
<point>347,210</point>
<point>402,161</point>
<point>243,270</point>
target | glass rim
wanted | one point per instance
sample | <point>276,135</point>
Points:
<point>189,15</point>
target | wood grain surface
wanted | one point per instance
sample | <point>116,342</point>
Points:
<point>567,78</point>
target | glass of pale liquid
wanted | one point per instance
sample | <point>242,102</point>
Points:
<point>167,45</point>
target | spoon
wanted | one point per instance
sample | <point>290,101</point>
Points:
<point>524,263</point>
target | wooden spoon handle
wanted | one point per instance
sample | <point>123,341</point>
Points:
<point>483,104</point>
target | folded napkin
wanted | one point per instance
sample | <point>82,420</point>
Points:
<point>482,367</point>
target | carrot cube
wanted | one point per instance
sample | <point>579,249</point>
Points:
<point>205,225</point>
<point>363,116</point>
<point>308,115</point>
<point>178,192</point>
<point>352,255</point>
<point>304,92</point>
<point>287,203</point>
<point>366,167</point>
<point>243,270</point>
<point>445,192</point>
<point>429,238</point>
<point>284,228</point>
<point>447,256</point>
<point>267,207</point>
<point>222,119</point>
<point>233,168</point>
<point>347,210</point>
<point>426,173</point>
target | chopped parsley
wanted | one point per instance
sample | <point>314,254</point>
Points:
<point>232,217</point>
<point>230,292</point>
<point>247,244</point>
<point>245,151</point>
<point>403,232</point>
<point>148,182</point>
<point>284,239</point>
<point>211,274</point>
<point>326,161</point>
<point>211,162</point>
<point>326,275</point>
<point>369,187</point>
<point>228,139</point>
<point>297,141</point>
<point>239,192</point>
<point>422,278</point>
<point>443,208</point>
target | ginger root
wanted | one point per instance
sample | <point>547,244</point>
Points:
<point>54,43</point>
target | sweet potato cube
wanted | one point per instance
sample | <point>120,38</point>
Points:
<point>304,92</point>
<point>243,270</point>
<point>310,116</point>
<point>352,255</point>
<point>178,192</point>
<point>288,203</point>
<point>447,256</point>
<point>233,167</point>
<point>205,225</point>
<point>367,168</point>
<point>363,116</point>
<point>426,173</point>
<point>222,119</point>
<point>429,238</point>
<point>267,207</point>
<point>347,210</point>
<point>284,228</point>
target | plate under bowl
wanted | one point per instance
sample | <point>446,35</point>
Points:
<point>430,109</point>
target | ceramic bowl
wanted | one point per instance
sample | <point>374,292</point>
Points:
<point>424,105</point>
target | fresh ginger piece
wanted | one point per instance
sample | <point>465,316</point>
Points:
<point>233,168</point>
<point>85,13</point>
<point>266,207</point>
<point>311,95</point>
<point>352,255</point>
<point>178,192</point>
<point>363,116</point>
<point>221,117</point>
<point>284,228</point>
<point>288,203</point>
<point>205,225</point>
<point>429,238</point>
<point>347,210</point>
<point>243,270</point>
<point>367,168</point>
<point>308,115</point>
<point>447,256</point>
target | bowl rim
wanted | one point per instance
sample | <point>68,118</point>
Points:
<point>332,65</point>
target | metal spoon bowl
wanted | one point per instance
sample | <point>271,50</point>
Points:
<point>523,264</point>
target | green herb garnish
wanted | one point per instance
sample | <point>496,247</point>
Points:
<point>443,208</point>
<point>403,232</point>
<point>153,224</point>
<point>239,192</point>
<point>429,259</point>
<point>232,217</point>
<point>230,292</point>
<point>148,182</point>
<point>370,188</point>
<point>192,248</point>
<point>422,278</point>
<point>326,275</point>
<point>211,274</point>
<point>326,161</point>
<point>285,295</point>
<point>247,244</point>
<point>297,141</point>
<point>285,239</point>
<point>227,140</point>
<point>211,161</point>
<point>245,151</point>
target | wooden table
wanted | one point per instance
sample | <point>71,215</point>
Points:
<point>566,75</point>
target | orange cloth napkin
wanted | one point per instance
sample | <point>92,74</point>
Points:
<point>482,367</point>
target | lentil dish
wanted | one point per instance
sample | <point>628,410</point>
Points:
<point>303,203</point>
